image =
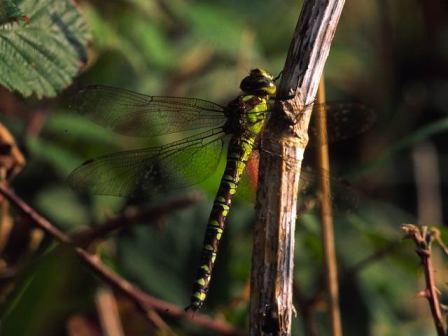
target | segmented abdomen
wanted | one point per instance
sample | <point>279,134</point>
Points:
<point>238,154</point>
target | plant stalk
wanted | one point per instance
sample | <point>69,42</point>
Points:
<point>326,217</point>
<point>276,208</point>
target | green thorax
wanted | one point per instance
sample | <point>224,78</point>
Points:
<point>247,115</point>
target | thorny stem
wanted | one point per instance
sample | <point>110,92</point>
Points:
<point>423,238</point>
<point>147,303</point>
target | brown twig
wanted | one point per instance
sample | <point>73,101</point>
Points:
<point>161,325</point>
<point>423,238</point>
<point>309,303</point>
<point>133,215</point>
<point>276,209</point>
<point>147,302</point>
<point>326,217</point>
<point>143,300</point>
<point>106,306</point>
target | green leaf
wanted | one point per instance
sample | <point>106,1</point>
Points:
<point>61,205</point>
<point>61,159</point>
<point>108,36</point>
<point>75,126</point>
<point>10,12</point>
<point>216,26</point>
<point>42,54</point>
<point>146,6</point>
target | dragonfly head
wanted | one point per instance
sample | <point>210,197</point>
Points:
<point>259,82</point>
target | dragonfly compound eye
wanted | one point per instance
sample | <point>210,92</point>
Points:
<point>262,73</point>
<point>258,83</point>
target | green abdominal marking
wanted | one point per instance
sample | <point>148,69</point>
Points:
<point>239,151</point>
<point>215,227</point>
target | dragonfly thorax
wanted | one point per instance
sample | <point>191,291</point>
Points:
<point>246,115</point>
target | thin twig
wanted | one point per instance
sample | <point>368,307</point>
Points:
<point>309,303</point>
<point>107,308</point>
<point>276,209</point>
<point>161,325</point>
<point>423,238</point>
<point>147,302</point>
<point>326,217</point>
<point>133,215</point>
<point>143,300</point>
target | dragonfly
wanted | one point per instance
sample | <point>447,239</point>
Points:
<point>192,159</point>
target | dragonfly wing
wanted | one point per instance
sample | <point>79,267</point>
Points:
<point>343,197</point>
<point>151,170</point>
<point>134,114</point>
<point>344,121</point>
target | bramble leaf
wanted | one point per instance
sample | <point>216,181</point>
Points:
<point>43,44</point>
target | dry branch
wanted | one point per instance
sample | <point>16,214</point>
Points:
<point>423,238</point>
<point>147,303</point>
<point>133,215</point>
<point>326,218</point>
<point>276,209</point>
<point>108,313</point>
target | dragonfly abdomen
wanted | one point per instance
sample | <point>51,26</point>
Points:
<point>239,151</point>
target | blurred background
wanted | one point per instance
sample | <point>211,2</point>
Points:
<point>391,55</point>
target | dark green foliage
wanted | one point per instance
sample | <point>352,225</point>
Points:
<point>10,12</point>
<point>44,51</point>
<point>389,54</point>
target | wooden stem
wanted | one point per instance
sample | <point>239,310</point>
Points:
<point>326,217</point>
<point>423,238</point>
<point>276,209</point>
<point>109,316</point>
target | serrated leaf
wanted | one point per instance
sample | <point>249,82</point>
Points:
<point>10,12</point>
<point>42,54</point>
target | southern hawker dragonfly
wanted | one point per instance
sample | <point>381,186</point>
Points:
<point>192,159</point>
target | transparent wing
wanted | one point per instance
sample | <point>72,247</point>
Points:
<point>343,196</point>
<point>151,170</point>
<point>344,121</point>
<point>134,114</point>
